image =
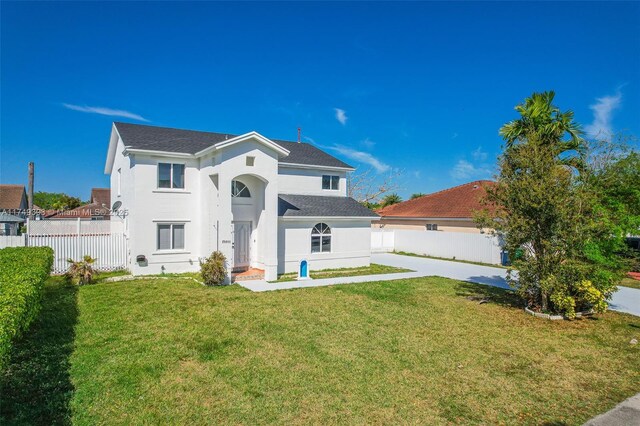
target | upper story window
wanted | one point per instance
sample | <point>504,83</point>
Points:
<point>170,175</point>
<point>330,182</point>
<point>239,190</point>
<point>431,226</point>
<point>321,238</point>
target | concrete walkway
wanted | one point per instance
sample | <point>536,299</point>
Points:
<point>625,300</point>
<point>627,413</point>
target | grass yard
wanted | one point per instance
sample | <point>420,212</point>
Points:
<point>630,282</point>
<point>409,351</point>
<point>373,269</point>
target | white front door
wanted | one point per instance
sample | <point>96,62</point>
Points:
<point>241,244</point>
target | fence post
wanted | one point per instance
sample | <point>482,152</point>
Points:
<point>26,234</point>
<point>79,243</point>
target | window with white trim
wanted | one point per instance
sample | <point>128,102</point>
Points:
<point>239,190</point>
<point>170,236</point>
<point>431,226</point>
<point>330,182</point>
<point>321,238</point>
<point>170,175</point>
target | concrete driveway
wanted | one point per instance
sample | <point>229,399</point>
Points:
<point>624,300</point>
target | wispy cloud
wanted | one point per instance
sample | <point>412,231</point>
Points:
<point>455,135</point>
<point>466,170</point>
<point>602,115</point>
<point>105,111</point>
<point>341,116</point>
<point>479,154</point>
<point>361,157</point>
<point>368,143</point>
<point>308,139</point>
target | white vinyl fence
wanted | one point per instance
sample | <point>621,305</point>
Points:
<point>104,240</point>
<point>450,245</point>
<point>12,241</point>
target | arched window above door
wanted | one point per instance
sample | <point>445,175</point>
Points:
<point>239,190</point>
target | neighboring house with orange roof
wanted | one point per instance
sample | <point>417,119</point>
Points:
<point>13,208</point>
<point>96,209</point>
<point>450,210</point>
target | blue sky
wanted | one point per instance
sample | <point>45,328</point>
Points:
<point>420,87</point>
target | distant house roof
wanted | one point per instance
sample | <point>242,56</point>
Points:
<point>9,218</point>
<point>86,211</point>
<point>457,202</point>
<point>12,197</point>
<point>101,196</point>
<point>290,205</point>
<point>166,139</point>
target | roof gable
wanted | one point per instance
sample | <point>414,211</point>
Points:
<point>13,197</point>
<point>457,202</point>
<point>101,196</point>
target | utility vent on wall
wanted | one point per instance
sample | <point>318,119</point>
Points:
<point>250,161</point>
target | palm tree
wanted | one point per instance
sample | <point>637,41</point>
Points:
<point>417,195</point>
<point>544,123</point>
<point>390,199</point>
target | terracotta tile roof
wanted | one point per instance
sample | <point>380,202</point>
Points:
<point>84,212</point>
<point>101,196</point>
<point>11,197</point>
<point>457,202</point>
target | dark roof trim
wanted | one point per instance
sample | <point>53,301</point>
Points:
<point>189,143</point>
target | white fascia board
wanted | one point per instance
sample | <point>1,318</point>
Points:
<point>111,150</point>
<point>315,167</point>
<point>242,138</point>
<point>128,150</point>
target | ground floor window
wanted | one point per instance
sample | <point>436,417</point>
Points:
<point>321,238</point>
<point>170,236</point>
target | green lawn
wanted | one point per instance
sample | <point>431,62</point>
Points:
<point>408,351</point>
<point>373,269</point>
<point>630,282</point>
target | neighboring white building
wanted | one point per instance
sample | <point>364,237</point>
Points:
<point>266,204</point>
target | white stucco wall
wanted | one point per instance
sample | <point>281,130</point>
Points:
<point>350,244</point>
<point>206,209</point>
<point>126,195</point>
<point>309,181</point>
<point>155,205</point>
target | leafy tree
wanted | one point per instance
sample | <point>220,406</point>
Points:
<point>367,186</point>
<point>55,200</point>
<point>390,199</point>
<point>563,235</point>
<point>417,195</point>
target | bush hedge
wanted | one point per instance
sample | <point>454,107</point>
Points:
<point>23,272</point>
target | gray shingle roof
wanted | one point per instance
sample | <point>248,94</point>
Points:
<point>139,136</point>
<point>290,205</point>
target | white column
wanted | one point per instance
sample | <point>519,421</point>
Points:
<point>225,217</point>
<point>271,231</point>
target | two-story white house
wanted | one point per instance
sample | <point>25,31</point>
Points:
<point>266,204</point>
